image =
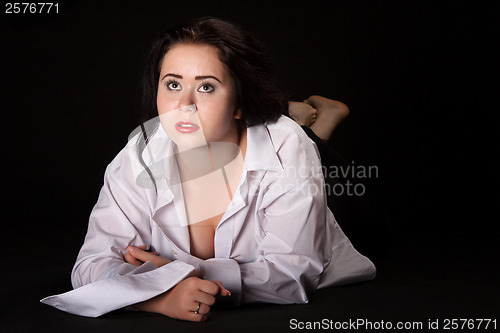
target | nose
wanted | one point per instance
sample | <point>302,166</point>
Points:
<point>188,108</point>
<point>187,102</point>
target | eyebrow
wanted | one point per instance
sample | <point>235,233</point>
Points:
<point>199,77</point>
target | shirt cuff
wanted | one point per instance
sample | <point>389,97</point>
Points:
<point>97,298</point>
<point>226,271</point>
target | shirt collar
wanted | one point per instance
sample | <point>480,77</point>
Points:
<point>260,153</point>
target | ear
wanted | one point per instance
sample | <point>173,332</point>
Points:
<point>237,114</point>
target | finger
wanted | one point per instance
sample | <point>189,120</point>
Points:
<point>140,253</point>
<point>222,290</point>
<point>214,288</point>
<point>197,273</point>
<point>201,308</point>
<point>204,309</point>
<point>209,287</point>
<point>144,256</point>
<point>130,247</point>
<point>142,247</point>
<point>131,260</point>
<point>190,315</point>
<point>204,298</point>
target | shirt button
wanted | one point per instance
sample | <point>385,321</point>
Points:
<point>174,252</point>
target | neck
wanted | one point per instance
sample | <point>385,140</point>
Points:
<point>202,160</point>
<point>242,142</point>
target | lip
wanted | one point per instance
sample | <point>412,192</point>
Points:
<point>186,127</point>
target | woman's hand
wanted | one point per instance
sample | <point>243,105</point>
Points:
<point>137,255</point>
<point>191,300</point>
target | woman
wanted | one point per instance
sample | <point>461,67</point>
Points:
<point>219,198</point>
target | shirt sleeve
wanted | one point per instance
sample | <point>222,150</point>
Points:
<point>291,251</point>
<point>100,297</point>
<point>120,218</point>
<point>103,281</point>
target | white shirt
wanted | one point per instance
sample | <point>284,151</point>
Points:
<point>276,242</point>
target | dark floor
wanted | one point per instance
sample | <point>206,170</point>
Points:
<point>413,286</point>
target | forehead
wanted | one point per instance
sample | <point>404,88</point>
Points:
<point>193,59</point>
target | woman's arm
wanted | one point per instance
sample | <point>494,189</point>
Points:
<point>102,279</point>
<point>119,218</point>
<point>191,299</point>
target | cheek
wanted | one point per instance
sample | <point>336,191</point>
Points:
<point>216,114</point>
<point>164,104</point>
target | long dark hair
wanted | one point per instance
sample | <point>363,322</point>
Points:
<point>257,95</point>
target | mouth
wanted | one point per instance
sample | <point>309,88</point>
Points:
<point>186,127</point>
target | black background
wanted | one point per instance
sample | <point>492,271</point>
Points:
<point>418,77</point>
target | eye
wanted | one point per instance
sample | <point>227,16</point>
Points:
<point>173,85</point>
<point>206,88</point>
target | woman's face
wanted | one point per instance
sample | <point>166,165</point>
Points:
<point>196,99</point>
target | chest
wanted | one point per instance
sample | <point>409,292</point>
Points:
<point>206,199</point>
<point>201,237</point>
<point>234,233</point>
